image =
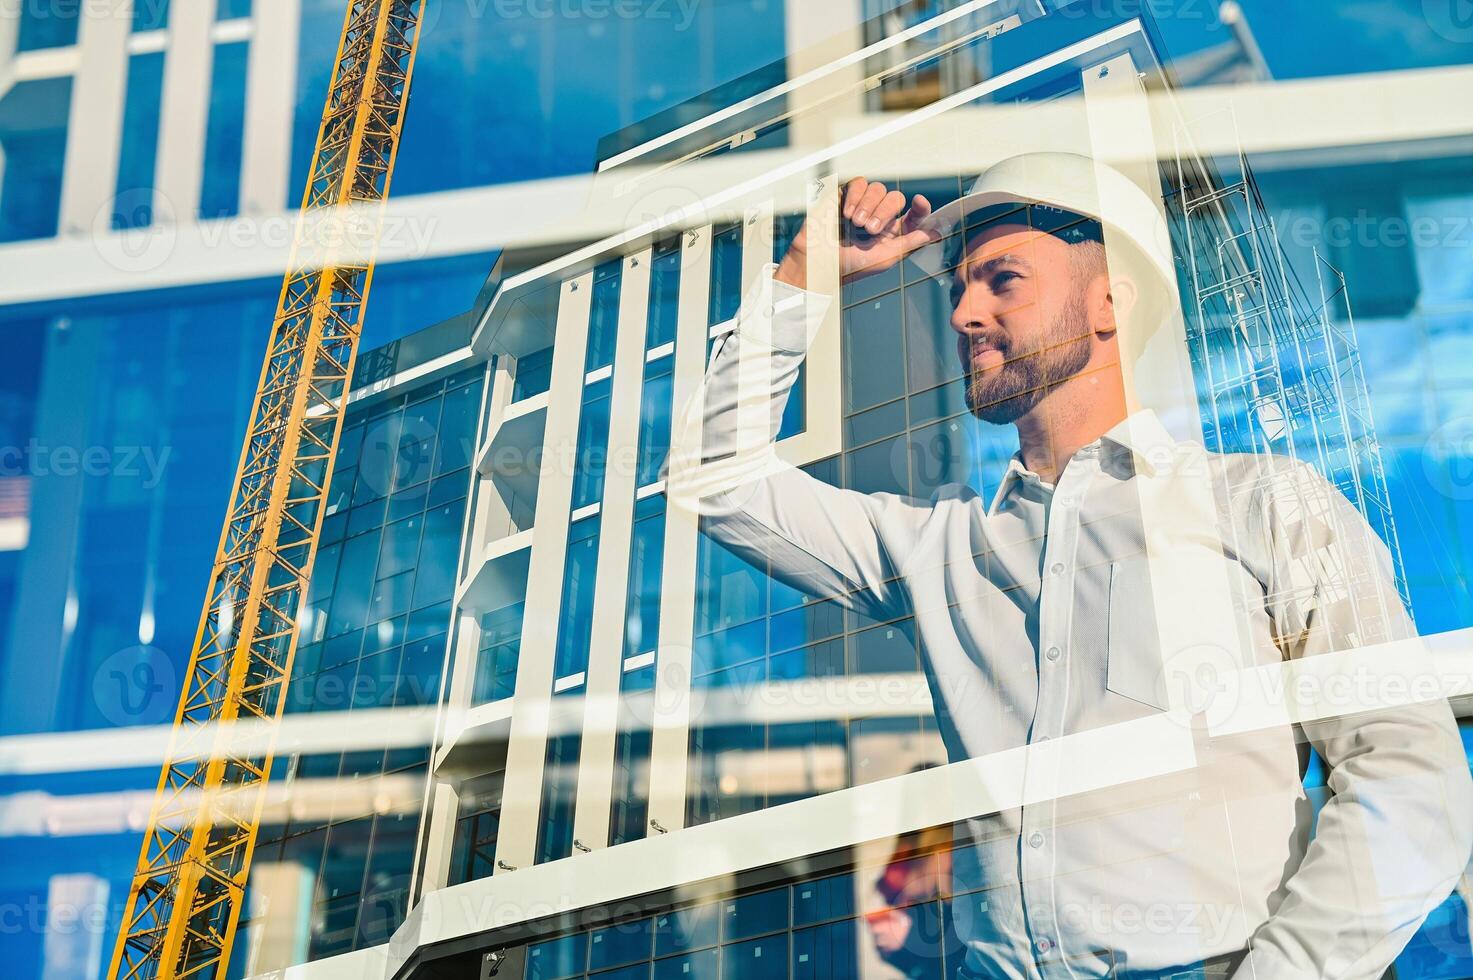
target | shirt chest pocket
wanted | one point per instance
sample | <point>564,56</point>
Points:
<point>1133,658</point>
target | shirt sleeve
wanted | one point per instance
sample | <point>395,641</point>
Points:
<point>725,467</point>
<point>1395,835</point>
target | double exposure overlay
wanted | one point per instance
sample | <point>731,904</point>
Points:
<point>736,489</point>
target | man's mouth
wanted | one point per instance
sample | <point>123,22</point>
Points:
<point>983,355</point>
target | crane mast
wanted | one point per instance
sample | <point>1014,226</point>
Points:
<point>185,898</point>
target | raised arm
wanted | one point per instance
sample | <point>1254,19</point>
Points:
<point>724,465</point>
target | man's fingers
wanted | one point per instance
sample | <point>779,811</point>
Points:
<point>920,210</point>
<point>865,209</point>
<point>886,212</point>
<point>853,191</point>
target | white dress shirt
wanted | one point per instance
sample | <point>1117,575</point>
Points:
<point>1074,620</point>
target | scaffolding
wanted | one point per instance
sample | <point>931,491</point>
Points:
<point>1279,377</point>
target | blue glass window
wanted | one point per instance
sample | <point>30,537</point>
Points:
<point>630,811</point>
<point>575,620</point>
<point>558,958</point>
<point>496,663</point>
<point>220,191</point>
<point>757,959</point>
<point>559,788</point>
<point>646,560</point>
<point>46,25</point>
<point>150,15</point>
<point>133,207</point>
<point>823,899</point>
<point>34,148</point>
<point>687,929</point>
<point>726,274</point>
<point>603,317</point>
<point>664,308</point>
<point>706,963</point>
<point>534,374</point>
<point>593,444</point>
<point>619,944</point>
<point>654,418</point>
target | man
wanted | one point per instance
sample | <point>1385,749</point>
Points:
<point>1137,839</point>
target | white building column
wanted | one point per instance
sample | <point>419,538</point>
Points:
<point>819,34</point>
<point>670,713</point>
<point>271,92</point>
<point>606,652</point>
<point>184,112</point>
<point>516,844</point>
<point>95,120</point>
<point>9,34</point>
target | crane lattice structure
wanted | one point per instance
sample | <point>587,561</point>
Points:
<point>186,895</point>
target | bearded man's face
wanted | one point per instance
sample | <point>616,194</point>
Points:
<point>1020,313</point>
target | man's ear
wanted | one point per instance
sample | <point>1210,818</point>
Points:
<point>1109,302</point>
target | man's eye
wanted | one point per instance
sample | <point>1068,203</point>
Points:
<point>1003,279</point>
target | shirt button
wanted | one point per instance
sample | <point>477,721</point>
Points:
<point>1035,840</point>
<point>1057,568</point>
<point>1052,653</point>
<point>1044,945</point>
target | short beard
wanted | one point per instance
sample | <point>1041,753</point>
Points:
<point>1016,387</point>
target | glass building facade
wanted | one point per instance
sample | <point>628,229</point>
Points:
<point>374,639</point>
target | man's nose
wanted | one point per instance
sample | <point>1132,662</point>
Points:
<point>972,313</point>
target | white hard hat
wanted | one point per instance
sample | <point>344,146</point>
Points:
<point>1073,183</point>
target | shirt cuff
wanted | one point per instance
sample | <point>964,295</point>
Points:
<point>780,315</point>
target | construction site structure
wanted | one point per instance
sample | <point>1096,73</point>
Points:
<point>185,898</point>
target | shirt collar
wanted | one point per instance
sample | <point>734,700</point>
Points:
<point>1141,434</point>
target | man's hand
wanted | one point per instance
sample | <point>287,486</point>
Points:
<point>876,230</point>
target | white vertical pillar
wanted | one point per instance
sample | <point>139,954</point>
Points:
<point>817,35</point>
<point>606,653</point>
<point>9,35</point>
<point>1156,366</point>
<point>95,121</point>
<point>822,436</point>
<point>1158,374</point>
<point>670,713</point>
<point>184,111</point>
<point>516,844</point>
<point>76,907</point>
<point>441,807</point>
<point>271,89</point>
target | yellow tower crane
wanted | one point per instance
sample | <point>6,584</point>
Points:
<point>186,895</point>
